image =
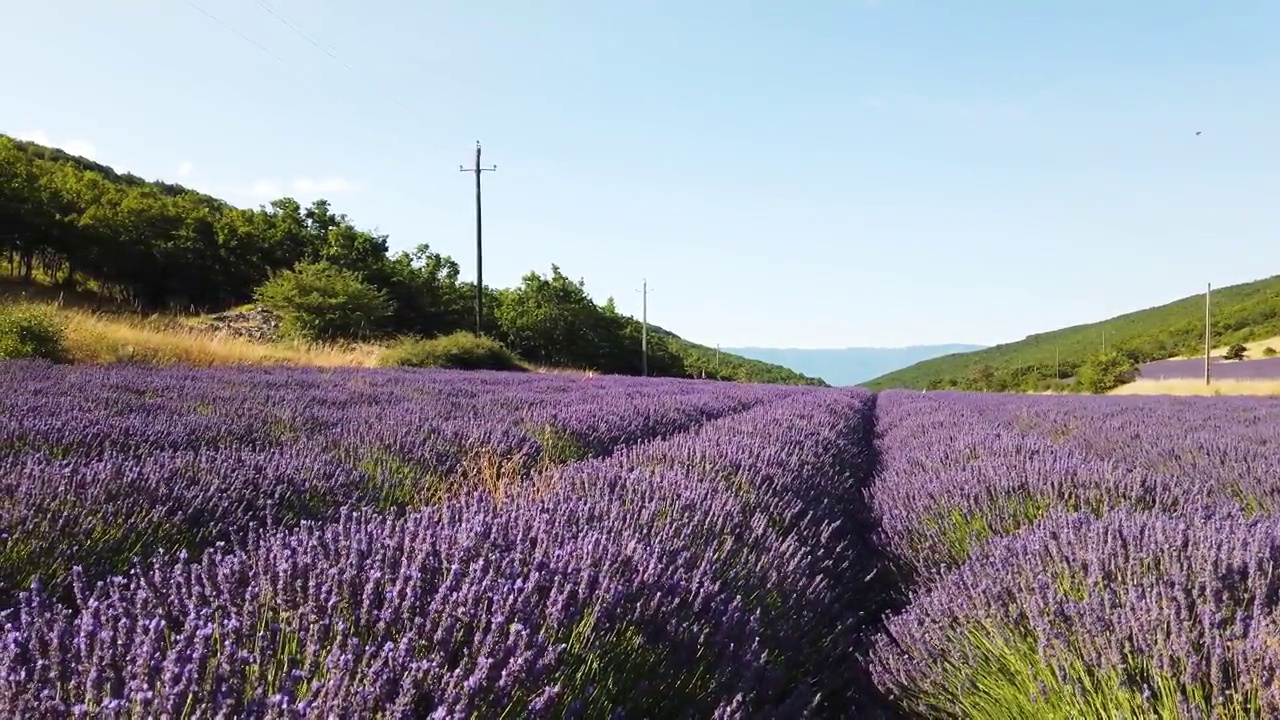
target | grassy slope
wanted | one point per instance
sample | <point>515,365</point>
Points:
<point>101,331</point>
<point>1241,313</point>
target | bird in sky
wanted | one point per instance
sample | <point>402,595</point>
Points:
<point>1197,132</point>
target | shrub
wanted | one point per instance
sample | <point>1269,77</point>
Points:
<point>1105,372</point>
<point>461,350</point>
<point>1268,351</point>
<point>1235,352</point>
<point>30,332</point>
<point>320,301</point>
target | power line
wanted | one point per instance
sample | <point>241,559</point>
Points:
<point>236,32</point>
<point>325,48</point>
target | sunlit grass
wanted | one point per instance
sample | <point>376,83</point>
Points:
<point>105,338</point>
<point>1188,386</point>
<point>1253,350</point>
<point>101,331</point>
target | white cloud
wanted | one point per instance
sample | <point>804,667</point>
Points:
<point>875,103</point>
<point>35,136</point>
<point>266,189</point>
<point>185,169</point>
<point>83,148</point>
<point>306,186</point>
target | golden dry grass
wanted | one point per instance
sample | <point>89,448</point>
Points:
<point>105,338</point>
<point>1197,387</point>
<point>1252,349</point>
<point>100,330</point>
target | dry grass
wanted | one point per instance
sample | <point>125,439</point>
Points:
<point>1252,349</point>
<point>1197,387</point>
<point>586,374</point>
<point>99,330</point>
<point>106,338</point>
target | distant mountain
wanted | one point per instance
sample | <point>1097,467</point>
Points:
<point>850,366</point>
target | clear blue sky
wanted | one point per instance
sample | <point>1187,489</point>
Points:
<point>805,174</point>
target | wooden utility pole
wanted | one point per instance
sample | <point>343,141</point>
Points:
<point>1057,363</point>
<point>1207,332</point>
<point>479,245</point>
<point>644,327</point>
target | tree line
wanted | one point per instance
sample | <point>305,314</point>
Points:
<point>161,246</point>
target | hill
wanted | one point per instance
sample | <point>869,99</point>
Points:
<point>164,248</point>
<point>849,366</point>
<point>1241,313</point>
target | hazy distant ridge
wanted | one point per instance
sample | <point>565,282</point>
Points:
<point>850,366</point>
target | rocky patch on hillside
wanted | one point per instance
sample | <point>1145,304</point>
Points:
<point>258,324</point>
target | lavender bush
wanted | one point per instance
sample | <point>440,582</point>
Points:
<point>958,469</point>
<point>132,461</point>
<point>1135,615</point>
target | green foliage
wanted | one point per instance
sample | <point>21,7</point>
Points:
<point>1242,313</point>
<point>1105,372</point>
<point>1237,351</point>
<point>159,245</point>
<point>461,350</point>
<point>998,671</point>
<point>559,446</point>
<point>1268,351</point>
<point>320,301</point>
<point>30,332</point>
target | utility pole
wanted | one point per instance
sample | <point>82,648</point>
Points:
<point>1057,363</point>
<point>479,245</point>
<point>644,328</point>
<point>1207,332</point>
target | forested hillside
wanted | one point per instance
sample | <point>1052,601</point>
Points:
<point>1241,313</point>
<point>163,247</point>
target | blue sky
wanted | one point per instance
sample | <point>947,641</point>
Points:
<point>803,174</point>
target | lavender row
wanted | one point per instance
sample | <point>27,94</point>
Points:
<point>958,469</point>
<point>72,411</point>
<point>1191,369</point>
<point>106,464</point>
<point>649,582</point>
<point>1136,614</point>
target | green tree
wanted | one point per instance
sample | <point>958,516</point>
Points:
<point>1268,351</point>
<point>1237,351</point>
<point>1105,372</point>
<point>429,300</point>
<point>551,320</point>
<point>319,301</point>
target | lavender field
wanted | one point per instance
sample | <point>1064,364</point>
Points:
<point>1081,557</point>
<point>1193,368</point>
<point>304,543</point>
